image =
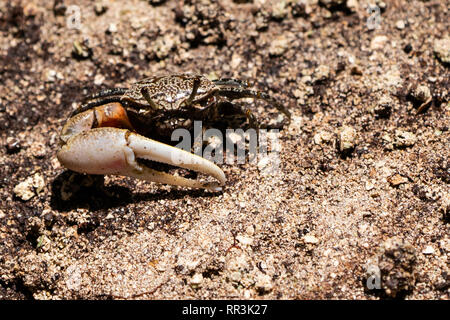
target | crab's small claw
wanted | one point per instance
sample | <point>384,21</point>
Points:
<point>115,151</point>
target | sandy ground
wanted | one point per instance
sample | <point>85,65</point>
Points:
<point>359,208</point>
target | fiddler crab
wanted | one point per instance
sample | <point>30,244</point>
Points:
<point>106,134</point>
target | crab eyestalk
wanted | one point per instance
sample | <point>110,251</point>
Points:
<point>112,150</point>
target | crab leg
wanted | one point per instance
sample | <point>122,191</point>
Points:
<point>237,93</point>
<point>146,95</point>
<point>195,87</point>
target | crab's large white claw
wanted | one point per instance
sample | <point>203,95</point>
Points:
<point>114,151</point>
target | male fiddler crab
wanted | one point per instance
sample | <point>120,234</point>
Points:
<point>106,134</point>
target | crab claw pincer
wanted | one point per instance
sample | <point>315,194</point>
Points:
<point>115,151</point>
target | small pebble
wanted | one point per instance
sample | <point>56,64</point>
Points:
<point>397,180</point>
<point>98,80</point>
<point>196,279</point>
<point>280,10</point>
<point>38,150</point>
<point>12,145</point>
<point>136,24</point>
<point>369,186</point>
<point>397,261</point>
<point>244,240</point>
<point>422,93</point>
<point>165,44</point>
<point>264,283</point>
<point>30,187</point>
<point>109,216</point>
<point>352,5</point>
<point>382,5</point>
<point>400,24</point>
<point>379,42</point>
<point>442,49</point>
<point>321,73</point>
<point>24,190</point>
<point>235,276</point>
<point>263,163</point>
<point>50,76</point>
<point>250,230</point>
<point>428,250</point>
<point>112,28</point>
<point>347,139</point>
<point>310,239</point>
<point>322,137</point>
<point>404,139</point>
<point>278,46</point>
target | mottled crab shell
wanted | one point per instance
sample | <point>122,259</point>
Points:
<point>169,92</point>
